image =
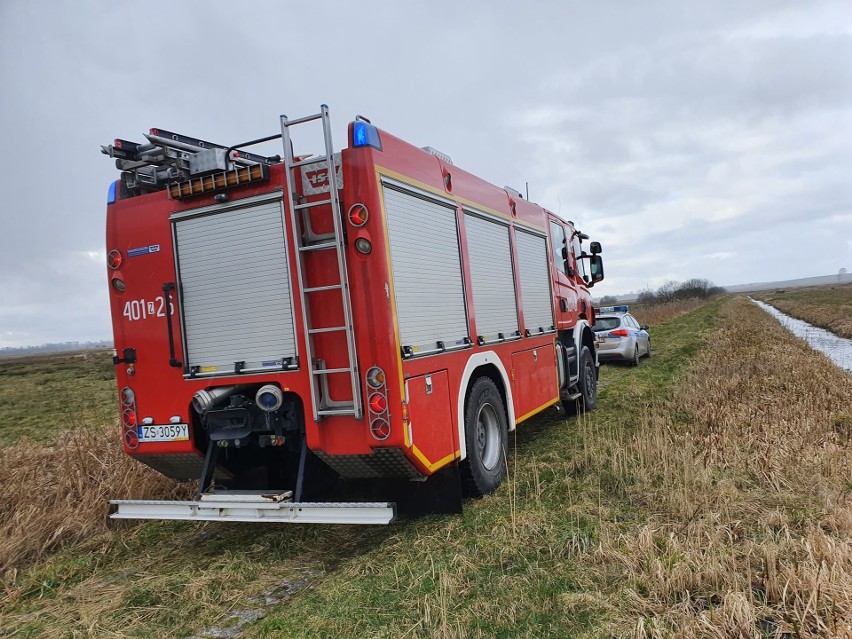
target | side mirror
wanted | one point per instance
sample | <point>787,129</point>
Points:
<point>644,327</point>
<point>595,248</point>
<point>596,267</point>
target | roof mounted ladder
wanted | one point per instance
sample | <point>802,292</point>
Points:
<point>322,405</point>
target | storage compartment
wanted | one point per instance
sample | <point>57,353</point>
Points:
<point>234,284</point>
<point>535,381</point>
<point>432,434</point>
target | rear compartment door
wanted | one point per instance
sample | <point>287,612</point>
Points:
<point>234,285</point>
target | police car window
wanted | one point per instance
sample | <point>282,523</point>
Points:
<point>557,234</point>
<point>631,321</point>
<point>605,324</point>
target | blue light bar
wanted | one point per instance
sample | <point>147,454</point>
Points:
<point>111,192</point>
<point>365,134</point>
<point>614,309</point>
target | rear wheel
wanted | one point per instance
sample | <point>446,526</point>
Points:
<point>635,360</point>
<point>486,438</point>
<point>587,386</point>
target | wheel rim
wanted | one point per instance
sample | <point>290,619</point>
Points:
<point>589,381</point>
<point>488,436</point>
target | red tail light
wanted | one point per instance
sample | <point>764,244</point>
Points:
<point>358,214</point>
<point>380,429</point>
<point>621,332</point>
<point>131,438</point>
<point>114,259</point>
<point>378,403</point>
<point>129,418</point>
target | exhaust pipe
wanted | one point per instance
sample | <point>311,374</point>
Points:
<point>204,400</point>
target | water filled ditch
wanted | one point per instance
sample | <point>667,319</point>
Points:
<point>838,349</point>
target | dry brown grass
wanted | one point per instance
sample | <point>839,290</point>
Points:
<point>829,307</point>
<point>51,496</point>
<point>657,314</point>
<point>747,474</point>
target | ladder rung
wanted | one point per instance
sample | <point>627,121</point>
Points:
<point>329,371</point>
<point>311,160</point>
<point>330,329</point>
<point>318,247</point>
<point>314,289</point>
<point>336,411</point>
<point>308,205</point>
<point>307,118</point>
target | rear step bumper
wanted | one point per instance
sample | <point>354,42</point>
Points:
<point>255,507</point>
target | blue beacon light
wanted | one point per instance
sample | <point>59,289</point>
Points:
<point>111,192</point>
<point>365,134</point>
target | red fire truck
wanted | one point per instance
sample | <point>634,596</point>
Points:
<point>378,312</point>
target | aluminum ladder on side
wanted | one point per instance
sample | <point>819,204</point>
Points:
<point>255,506</point>
<point>321,404</point>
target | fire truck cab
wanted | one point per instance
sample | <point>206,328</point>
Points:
<point>377,313</point>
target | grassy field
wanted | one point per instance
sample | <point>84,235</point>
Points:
<point>708,496</point>
<point>41,395</point>
<point>829,307</point>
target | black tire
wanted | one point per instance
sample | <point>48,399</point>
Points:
<point>635,360</point>
<point>486,437</point>
<point>648,354</point>
<point>588,384</point>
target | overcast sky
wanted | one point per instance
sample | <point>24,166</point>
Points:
<point>692,139</point>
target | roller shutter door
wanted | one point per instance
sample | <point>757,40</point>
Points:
<point>534,275</point>
<point>235,288</point>
<point>492,279</point>
<point>427,275</point>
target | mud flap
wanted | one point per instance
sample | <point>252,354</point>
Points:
<point>440,494</point>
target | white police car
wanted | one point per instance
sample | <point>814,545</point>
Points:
<point>619,336</point>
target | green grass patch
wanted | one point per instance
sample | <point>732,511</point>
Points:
<point>42,395</point>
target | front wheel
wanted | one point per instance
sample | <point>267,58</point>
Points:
<point>486,437</point>
<point>588,384</point>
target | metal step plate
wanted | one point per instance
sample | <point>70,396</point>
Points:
<point>247,507</point>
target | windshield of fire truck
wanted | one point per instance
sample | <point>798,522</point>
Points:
<point>578,251</point>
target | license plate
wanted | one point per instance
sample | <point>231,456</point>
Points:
<point>163,433</point>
